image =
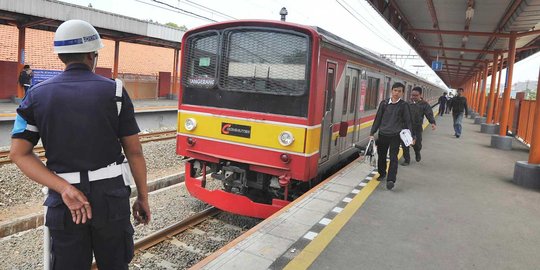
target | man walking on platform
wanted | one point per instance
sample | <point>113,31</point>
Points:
<point>442,103</point>
<point>459,106</point>
<point>419,108</point>
<point>84,121</point>
<point>392,116</point>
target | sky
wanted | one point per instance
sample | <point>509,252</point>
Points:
<point>354,20</point>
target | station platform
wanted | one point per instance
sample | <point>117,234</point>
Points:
<point>8,109</point>
<point>456,209</point>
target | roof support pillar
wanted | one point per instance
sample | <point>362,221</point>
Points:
<point>116,58</point>
<point>527,174</point>
<point>534,154</point>
<point>477,91</point>
<point>20,59</point>
<point>174,89</point>
<point>473,92</point>
<point>470,87</point>
<point>497,116</point>
<point>491,100</point>
<point>483,92</point>
<point>506,96</point>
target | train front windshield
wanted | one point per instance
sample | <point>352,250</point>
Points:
<point>251,69</point>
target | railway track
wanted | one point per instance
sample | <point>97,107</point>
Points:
<point>147,137</point>
<point>172,230</point>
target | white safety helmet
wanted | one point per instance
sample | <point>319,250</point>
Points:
<point>76,36</point>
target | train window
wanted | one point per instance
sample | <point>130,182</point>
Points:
<point>265,61</point>
<point>372,94</point>
<point>201,61</point>
<point>329,88</point>
<point>346,94</point>
<point>354,94</point>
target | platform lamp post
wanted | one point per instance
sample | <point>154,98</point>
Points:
<point>502,141</point>
<point>527,174</point>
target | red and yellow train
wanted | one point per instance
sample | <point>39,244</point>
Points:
<point>269,106</point>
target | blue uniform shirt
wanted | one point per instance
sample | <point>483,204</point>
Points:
<point>75,115</point>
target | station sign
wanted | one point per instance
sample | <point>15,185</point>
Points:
<point>44,74</point>
<point>436,65</point>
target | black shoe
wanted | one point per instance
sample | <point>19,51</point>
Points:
<point>457,136</point>
<point>405,163</point>
<point>381,177</point>
<point>418,157</point>
<point>389,185</point>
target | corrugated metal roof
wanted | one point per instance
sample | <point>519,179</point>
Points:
<point>109,25</point>
<point>428,24</point>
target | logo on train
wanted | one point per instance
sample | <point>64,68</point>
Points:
<point>236,130</point>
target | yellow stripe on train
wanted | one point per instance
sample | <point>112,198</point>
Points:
<point>251,132</point>
<point>335,135</point>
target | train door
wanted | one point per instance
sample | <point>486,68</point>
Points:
<point>388,80</point>
<point>341,142</point>
<point>353,107</point>
<point>327,125</point>
<point>350,91</point>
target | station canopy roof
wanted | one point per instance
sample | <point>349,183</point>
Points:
<point>465,33</point>
<point>49,14</point>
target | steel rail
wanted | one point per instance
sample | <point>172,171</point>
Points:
<point>172,230</point>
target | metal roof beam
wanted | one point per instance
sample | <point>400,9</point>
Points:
<point>34,23</point>
<point>457,59</point>
<point>455,49</point>
<point>459,33</point>
<point>528,33</point>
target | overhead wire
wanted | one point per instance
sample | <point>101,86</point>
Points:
<point>203,7</point>
<point>362,22</point>
<point>170,7</point>
<point>403,61</point>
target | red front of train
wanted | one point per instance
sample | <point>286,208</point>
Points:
<point>247,106</point>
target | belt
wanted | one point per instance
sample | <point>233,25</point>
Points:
<point>110,171</point>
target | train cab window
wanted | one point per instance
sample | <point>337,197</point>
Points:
<point>201,62</point>
<point>346,94</point>
<point>265,61</point>
<point>372,94</point>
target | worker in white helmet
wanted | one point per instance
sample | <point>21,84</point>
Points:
<point>84,121</point>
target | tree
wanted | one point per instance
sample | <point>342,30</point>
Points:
<point>174,25</point>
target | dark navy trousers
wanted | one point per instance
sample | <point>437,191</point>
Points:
<point>384,144</point>
<point>108,235</point>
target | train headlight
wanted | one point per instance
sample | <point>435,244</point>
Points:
<point>286,138</point>
<point>190,124</point>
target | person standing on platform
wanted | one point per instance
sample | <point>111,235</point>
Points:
<point>25,77</point>
<point>84,121</point>
<point>392,116</point>
<point>442,103</point>
<point>419,108</point>
<point>459,106</point>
